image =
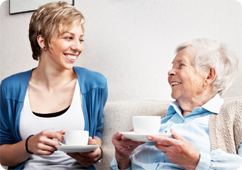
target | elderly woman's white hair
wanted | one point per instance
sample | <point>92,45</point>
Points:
<point>213,54</point>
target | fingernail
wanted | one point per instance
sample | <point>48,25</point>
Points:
<point>150,138</point>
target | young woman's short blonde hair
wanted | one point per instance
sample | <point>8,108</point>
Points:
<point>52,18</point>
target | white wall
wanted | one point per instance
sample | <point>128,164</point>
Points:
<point>132,42</point>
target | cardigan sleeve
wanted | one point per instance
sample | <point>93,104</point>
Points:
<point>103,99</point>
<point>5,118</point>
<point>94,102</point>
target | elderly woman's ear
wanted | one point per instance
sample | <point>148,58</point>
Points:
<point>211,75</point>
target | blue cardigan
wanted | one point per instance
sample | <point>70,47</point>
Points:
<point>94,91</point>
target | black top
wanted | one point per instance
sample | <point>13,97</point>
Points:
<point>49,115</point>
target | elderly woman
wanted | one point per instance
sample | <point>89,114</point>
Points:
<point>204,134</point>
<point>37,106</point>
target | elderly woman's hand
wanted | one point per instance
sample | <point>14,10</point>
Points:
<point>87,158</point>
<point>123,149</point>
<point>178,150</point>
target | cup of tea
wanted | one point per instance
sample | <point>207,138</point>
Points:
<point>146,125</point>
<point>76,137</point>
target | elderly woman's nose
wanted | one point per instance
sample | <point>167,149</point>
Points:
<point>171,72</point>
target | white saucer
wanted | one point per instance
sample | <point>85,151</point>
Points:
<point>74,149</point>
<point>142,137</point>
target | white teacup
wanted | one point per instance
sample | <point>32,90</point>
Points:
<point>149,125</point>
<point>76,137</point>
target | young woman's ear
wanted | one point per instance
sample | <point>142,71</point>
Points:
<point>41,42</point>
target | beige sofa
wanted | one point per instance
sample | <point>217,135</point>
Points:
<point>118,117</point>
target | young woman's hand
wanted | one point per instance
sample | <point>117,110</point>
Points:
<point>43,143</point>
<point>87,158</point>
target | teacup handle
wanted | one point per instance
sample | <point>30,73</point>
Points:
<point>62,144</point>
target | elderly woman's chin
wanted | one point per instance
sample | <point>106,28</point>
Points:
<point>175,95</point>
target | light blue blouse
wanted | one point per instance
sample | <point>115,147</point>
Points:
<point>195,128</point>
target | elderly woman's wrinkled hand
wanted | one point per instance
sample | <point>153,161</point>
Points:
<point>178,150</point>
<point>123,147</point>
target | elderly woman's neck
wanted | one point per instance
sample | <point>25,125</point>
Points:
<point>187,105</point>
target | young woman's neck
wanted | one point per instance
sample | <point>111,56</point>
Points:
<point>52,77</point>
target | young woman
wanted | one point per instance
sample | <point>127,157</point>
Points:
<point>37,106</point>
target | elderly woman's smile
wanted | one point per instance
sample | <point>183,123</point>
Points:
<point>175,83</point>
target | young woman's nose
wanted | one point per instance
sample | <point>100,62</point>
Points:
<point>77,46</point>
